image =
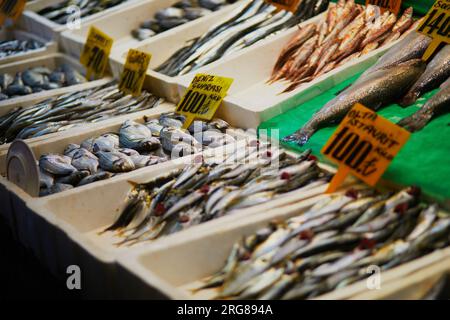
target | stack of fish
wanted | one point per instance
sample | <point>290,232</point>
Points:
<point>331,246</point>
<point>14,47</point>
<point>252,22</point>
<point>347,32</point>
<point>400,75</point>
<point>209,189</point>
<point>72,110</point>
<point>176,15</point>
<point>135,146</point>
<point>38,79</point>
<point>65,10</point>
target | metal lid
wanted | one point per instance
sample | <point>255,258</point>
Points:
<point>21,168</point>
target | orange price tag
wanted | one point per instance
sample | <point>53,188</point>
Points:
<point>11,9</point>
<point>364,145</point>
<point>288,5</point>
<point>436,24</point>
<point>393,6</point>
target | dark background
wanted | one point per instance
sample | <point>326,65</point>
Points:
<point>22,276</point>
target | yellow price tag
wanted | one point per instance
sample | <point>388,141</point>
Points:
<point>288,5</point>
<point>436,25</point>
<point>203,97</point>
<point>393,6</point>
<point>11,9</point>
<point>134,71</point>
<point>95,55</point>
<point>364,145</point>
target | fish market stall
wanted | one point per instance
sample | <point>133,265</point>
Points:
<point>49,18</point>
<point>203,160</point>
<point>241,25</point>
<point>423,160</point>
<point>40,77</point>
<point>18,45</point>
<point>142,20</point>
<point>249,257</point>
<point>318,56</point>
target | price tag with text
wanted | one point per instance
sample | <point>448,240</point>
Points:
<point>288,5</point>
<point>95,55</point>
<point>393,6</point>
<point>11,9</point>
<point>364,145</point>
<point>436,24</point>
<point>134,71</point>
<point>203,97</point>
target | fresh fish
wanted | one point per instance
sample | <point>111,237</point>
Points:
<point>438,70</point>
<point>138,137</point>
<point>435,106</point>
<point>56,164</point>
<point>115,161</point>
<point>84,160</point>
<point>379,89</point>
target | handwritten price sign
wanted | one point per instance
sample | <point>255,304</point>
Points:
<point>95,55</point>
<point>134,72</point>
<point>436,24</point>
<point>203,97</point>
<point>288,5</point>
<point>11,9</point>
<point>364,145</point>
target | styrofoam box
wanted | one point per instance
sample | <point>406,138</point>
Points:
<point>164,45</point>
<point>118,25</point>
<point>55,143</point>
<point>413,285</point>
<point>251,100</point>
<point>178,265</point>
<point>32,22</point>
<point>82,212</point>
<point>51,61</point>
<point>49,46</point>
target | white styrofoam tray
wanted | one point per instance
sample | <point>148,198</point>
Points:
<point>164,45</point>
<point>178,265</point>
<point>51,61</point>
<point>48,46</point>
<point>33,22</point>
<point>118,25</point>
<point>251,100</point>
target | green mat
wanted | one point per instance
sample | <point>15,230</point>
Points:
<point>423,161</point>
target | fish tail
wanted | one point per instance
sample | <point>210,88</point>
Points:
<point>414,123</point>
<point>291,87</point>
<point>300,137</point>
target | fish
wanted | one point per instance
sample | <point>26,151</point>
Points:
<point>437,71</point>
<point>62,11</point>
<point>434,107</point>
<point>115,161</point>
<point>378,90</point>
<point>275,262</point>
<point>56,164</point>
<point>138,137</point>
<point>37,79</point>
<point>248,24</point>
<point>13,47</point>
<point>84,160</point>
<point>413,46</point>
<point>74,178</point>
<point>71,110</point>
<point>347,32</point>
